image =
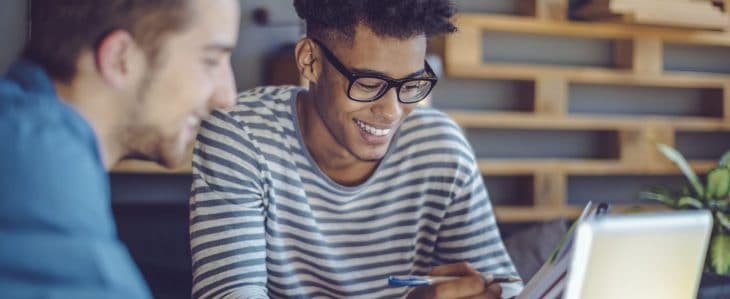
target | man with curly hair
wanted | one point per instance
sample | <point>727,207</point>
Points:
<point>325,192</point>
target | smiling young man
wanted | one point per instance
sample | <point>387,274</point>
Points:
<point>99,81</point>
<point>327,191</point>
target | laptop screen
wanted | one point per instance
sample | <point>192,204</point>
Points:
<point>657,255</point>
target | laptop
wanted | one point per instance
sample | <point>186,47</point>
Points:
<point>659,255</point>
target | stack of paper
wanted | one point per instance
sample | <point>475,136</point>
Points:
<point>678,13</point>
<point>549,282</point>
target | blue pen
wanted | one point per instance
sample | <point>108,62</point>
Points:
<point>417,280</point>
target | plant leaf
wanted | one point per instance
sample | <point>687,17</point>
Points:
<point>718,182</point>
<point>720,251</point>
<point>718,204</point>
<point>723,220</point>
<point>725,160</point>
<point>685,190</point>
<point>687,201</point>
<point>660,197</point>
<point>674,156</point>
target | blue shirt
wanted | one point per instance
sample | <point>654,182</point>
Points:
<point>57,233</point>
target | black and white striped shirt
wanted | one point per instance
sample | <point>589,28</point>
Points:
<point>265,221</point>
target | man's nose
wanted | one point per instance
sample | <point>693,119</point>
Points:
<point>224,95</point>
<point>388,109</point>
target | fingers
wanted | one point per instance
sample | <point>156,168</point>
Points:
<point>481,296</point>
<point>493,291</point>
<point>458,269</point>
<point>496,289</point>
<point>426,292</point>
<point>471,284</point>
<point>462,287</point>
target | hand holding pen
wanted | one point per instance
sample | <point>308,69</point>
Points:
<point>456,281</point>
<point>420,280</point>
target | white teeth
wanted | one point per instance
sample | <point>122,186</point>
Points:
<point>372,130</point>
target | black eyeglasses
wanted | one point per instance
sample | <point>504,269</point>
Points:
<point>371,87</point>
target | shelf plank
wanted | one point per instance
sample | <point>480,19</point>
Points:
<point>593,75</point>
<point>551,95</point>
<point>692,14</point>
<point>701,15</point>
<point>513,214</point>
<point>503,167</point>
<point>528,120</point>
<point>638,147</point>
<point>544,9</point>
<point>493,22</point>
<point>726,101</point>
<point>550,188</point>
<point>507,214</point>
<point>470,48</point>
<point>147,167</point>
<point>486,166</point>
<point>647,56</point>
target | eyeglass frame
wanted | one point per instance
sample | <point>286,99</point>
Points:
<point>391,82</point>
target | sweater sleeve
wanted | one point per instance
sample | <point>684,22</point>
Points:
<point>227,239</point>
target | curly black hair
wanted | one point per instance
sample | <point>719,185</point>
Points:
<point>392,18</point>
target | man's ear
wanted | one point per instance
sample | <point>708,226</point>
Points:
<point>308,62</point>
<point>117,56</point>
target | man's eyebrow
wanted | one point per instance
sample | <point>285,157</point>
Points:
<point>374,72</point>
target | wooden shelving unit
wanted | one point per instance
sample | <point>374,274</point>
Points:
<point>638,61</point>
<point>685,13</point>
<point>638,53</point>
<point>529,24</point>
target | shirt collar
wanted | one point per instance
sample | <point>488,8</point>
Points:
<point>31,77</point>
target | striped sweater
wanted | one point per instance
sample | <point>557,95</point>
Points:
<point>266,222</point>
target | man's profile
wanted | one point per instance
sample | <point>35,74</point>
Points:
<point>98,81</point>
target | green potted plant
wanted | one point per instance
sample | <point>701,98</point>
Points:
<point>713,196</point>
